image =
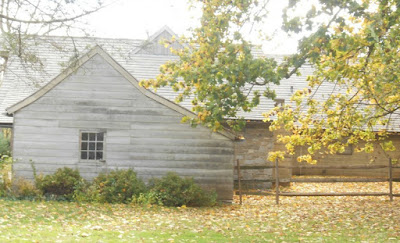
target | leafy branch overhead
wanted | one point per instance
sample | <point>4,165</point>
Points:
<point>22,20</point>
<point>354,50</point>
<point>217,70</point>
<point>352,98</point>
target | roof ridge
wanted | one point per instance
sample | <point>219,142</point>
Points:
<point>153,36</point>
<point>85,37</point>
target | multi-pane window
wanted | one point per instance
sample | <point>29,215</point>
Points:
<point>92,145</point>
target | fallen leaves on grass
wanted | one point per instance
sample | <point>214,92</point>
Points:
<point>259,219</point>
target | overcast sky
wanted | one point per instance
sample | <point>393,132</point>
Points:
<point>139,18</point>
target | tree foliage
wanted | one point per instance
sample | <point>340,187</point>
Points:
<point>351,99</point>
<point>217,69</point>
<point>21,20</point>
<point>354,48</point>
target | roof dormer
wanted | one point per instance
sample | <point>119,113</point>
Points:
<point>152,45</point>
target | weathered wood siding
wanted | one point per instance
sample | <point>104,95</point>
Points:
<point>259,141</point>
<point>253,153</point>
<point>140,133</point>
<point>378,157</point>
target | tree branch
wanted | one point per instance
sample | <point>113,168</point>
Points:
<point>25,21</point>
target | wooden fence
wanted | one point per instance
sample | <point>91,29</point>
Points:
<point>278,193</point>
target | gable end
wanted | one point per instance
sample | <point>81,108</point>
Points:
<point>97,50</point>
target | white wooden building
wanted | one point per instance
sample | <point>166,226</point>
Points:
<point>95,117</point>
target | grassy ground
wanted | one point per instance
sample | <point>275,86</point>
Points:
<point>301,219</point>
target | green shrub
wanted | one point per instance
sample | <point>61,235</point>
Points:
<point>5,153</point>
<point>117,186</point>
<point>176,191</point>
<point>84,192</point>
<point>5,174</point>
<point>4,188</point>
<point>148,198</point>
<point>61,184</point>
<point>4,142</point>
<point>5,185</point>
<point>24,189</point>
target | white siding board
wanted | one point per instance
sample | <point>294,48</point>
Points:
<point>45,137</point>
<point>94,86</point>
<point>123,95</point>
<point>174,164</point>
<point>122,155</point>
<point>181,142</point>
<point>117,140</point>
<point>211,180</point>
<point>72,153</point>
<point>45,130</point>
<point>95,115</point>
<point>157,119</point>
<point>84,80</point>
<point>178,157</point>
<point>215,136</point>
<point>119,147</point>
<point>97,71</point>
<point>91,171</point>
<point>47,168</point>
<point>199,173</point>
<point>168,134</point>
<point>37,122</point>
<point>53,158</point>
<point>83,108</point>
<point>118,133</point>
<point>65,102</point>
<point>22,144</point>
<point>94,124</point>
<point>157,126</point>
<point>180,150</point>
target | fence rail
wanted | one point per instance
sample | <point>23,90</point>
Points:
<point>339,179</point>
<point>322,180</point>
<point>259,167</point>
<point>330,194</point>
<point>277,180</point>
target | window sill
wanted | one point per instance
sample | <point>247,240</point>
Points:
<point>92,161</point>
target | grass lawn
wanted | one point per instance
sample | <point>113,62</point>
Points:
<point>297,219</point>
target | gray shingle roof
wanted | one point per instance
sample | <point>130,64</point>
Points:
<point>136,56</point>
<point>21,80</point>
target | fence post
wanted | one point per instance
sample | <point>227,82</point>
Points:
<point>277,181</point>
<point>239,182</point>
<point>390,180</point>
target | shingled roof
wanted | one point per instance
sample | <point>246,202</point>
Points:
<point>141,58</point>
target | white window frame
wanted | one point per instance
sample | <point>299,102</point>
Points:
<point>103,159</point>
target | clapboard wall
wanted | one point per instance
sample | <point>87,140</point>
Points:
<point>140,132</point>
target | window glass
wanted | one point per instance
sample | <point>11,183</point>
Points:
<point>100,136</point>
<point>99,146</point>
<point>92,136</point>
<point>84,155</point>
<point>92,145</point>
